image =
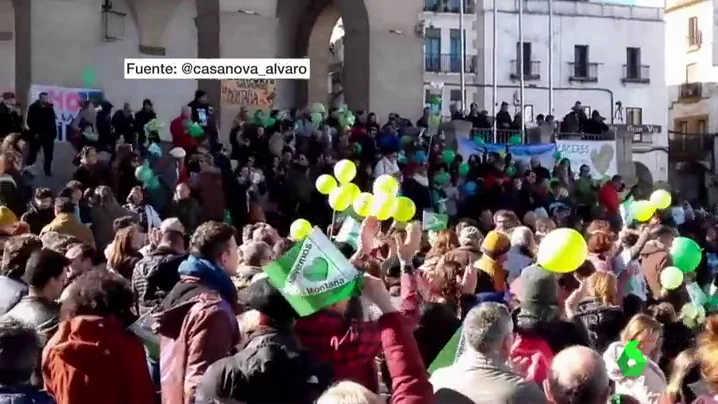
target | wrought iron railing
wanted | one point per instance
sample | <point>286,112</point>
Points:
<point>449,63</point>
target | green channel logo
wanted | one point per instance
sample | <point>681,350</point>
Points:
<point>632,361</point>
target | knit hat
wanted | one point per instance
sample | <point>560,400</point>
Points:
<point>260,295</point>
<point>538,291</point>
<point>495,243</point>
<point>470,235</point>
<point>7,217</point>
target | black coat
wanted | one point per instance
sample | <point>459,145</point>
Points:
<point>154,277</point>
<point>10,121</point>
<point>252,375</point>
<point>42,121</point>
<point>599,325</point>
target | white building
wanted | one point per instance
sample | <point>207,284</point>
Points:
<point>691,75</point>
<point>603,54</point>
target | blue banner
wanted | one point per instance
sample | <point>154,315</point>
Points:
<point>524,153</point>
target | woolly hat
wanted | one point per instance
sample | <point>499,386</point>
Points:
<point>7,217</point>
<point>495,243</point>
<point>537,291</point>
<point>470,235</point>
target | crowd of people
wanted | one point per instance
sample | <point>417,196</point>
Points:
<point>142,280</point>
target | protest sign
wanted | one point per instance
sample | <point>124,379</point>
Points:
<point>599,155</point>
<point>251,94</point>
<point>66,102</point>
<point>314,274</point>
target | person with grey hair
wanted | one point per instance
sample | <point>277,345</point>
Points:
<point>20,350</point>
<point>578,376</point>
<point>521,253</point>
<point>480,374</point>
<point>469,250</point>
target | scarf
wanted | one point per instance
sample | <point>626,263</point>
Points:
<point>211,275</point>
<point>494,270</point>
<point>421,179</point>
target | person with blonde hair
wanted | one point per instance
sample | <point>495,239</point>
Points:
<point>708,360</point>
<point>651,385</point>
<point>347,392</point>
<point>595,309</point>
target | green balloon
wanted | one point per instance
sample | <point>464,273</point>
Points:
<point>515,139</point>
<point>195,130</point>
<point>511,171</point>
<point>89,77</point>
<point>270,122</point>
<point>478,139</point>
<point>317,118</point>
<point>686,254</point>
<point>448,156</point>
<point>464,169</point>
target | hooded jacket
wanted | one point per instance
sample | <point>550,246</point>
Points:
<point>197,328</point>
<point>154,276</point>
<point>95,359</point>
<point>67,223</point>
<point>37,218</point>
<point>654,258</point>
<point>599,324</point>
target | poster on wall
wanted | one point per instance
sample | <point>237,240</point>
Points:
<point>251,94</point>
<point>600,156</point>
<point>66,102</point>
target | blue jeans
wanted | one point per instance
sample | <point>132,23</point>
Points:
<point>154,371</point>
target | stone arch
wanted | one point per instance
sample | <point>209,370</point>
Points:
<point>312,39</point>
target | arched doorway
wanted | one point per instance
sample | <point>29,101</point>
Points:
<point>314,32</point>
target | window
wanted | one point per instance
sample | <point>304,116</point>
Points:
<point>528,113</point>
<point>694,35</point>
<point>580,60</point>
<point>432,50</point>
<point>701,126</point>
<point>633,63</point>
<point>682,126</point>
<point>427,96</point>
<point>455,98</point>
<point>456,53</point>
<point>526,56</point>
<point>692,73</point>
<point>634,116</point>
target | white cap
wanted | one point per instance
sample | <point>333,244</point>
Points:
<point>178,152</point>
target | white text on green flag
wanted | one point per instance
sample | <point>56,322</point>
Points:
<point>314,274</point>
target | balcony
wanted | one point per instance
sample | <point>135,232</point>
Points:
<point>636,74</point>
<point>531,70</point>
<point>448,6</point>
<point>435,63</point>
<point>689,146</point>
<point>690,92</point>
<point>583,72</point>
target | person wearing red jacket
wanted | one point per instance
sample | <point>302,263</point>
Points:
<point>610,199</point>
<point>178,129</point>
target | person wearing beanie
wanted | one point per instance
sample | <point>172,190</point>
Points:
<point>469,250</point>
<point>539,331</point>
<point>272,352</point>
<point>492,275</point>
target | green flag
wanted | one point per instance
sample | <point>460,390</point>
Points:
<point>434,221</point>
<point>314,274</point>
<point>450,353</point>
<point>142,328</point>
<point>349,232</point>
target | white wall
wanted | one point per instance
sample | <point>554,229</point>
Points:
<point>180,41</point>
<point>608,30</point>
<point>678,55</point>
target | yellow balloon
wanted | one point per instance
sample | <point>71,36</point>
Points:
<point>326,184</point>
<point>362,204</point>
<point>642,210</point>
<point>661,199</point>
<point>562,250</point>
<point>382,206</point>
<point>353,190</point>
<point>404,209</point>
<point>341,198</point>
<point>386,184</point>
<point>345,171</point>
<point>300,229</point>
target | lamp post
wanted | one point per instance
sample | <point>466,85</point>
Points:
<point>494,60</point>
<point>550,57</point>
<point>462,43</point>
<point>521,64</point>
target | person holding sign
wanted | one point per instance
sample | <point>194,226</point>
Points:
<point>338,335</point>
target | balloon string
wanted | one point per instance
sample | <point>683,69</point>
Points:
<point>331,226</point>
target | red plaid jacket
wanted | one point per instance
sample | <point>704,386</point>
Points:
<point>351,350</point>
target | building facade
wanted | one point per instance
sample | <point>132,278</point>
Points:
<point>604,55</point>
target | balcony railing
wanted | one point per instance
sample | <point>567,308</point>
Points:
<point>531,70</point>
<point>636,74</point>
<point>689,91</point>
<point>448,6</point>
<point>584,72</point>
<point>449,63</point>
<point>689,146</point>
